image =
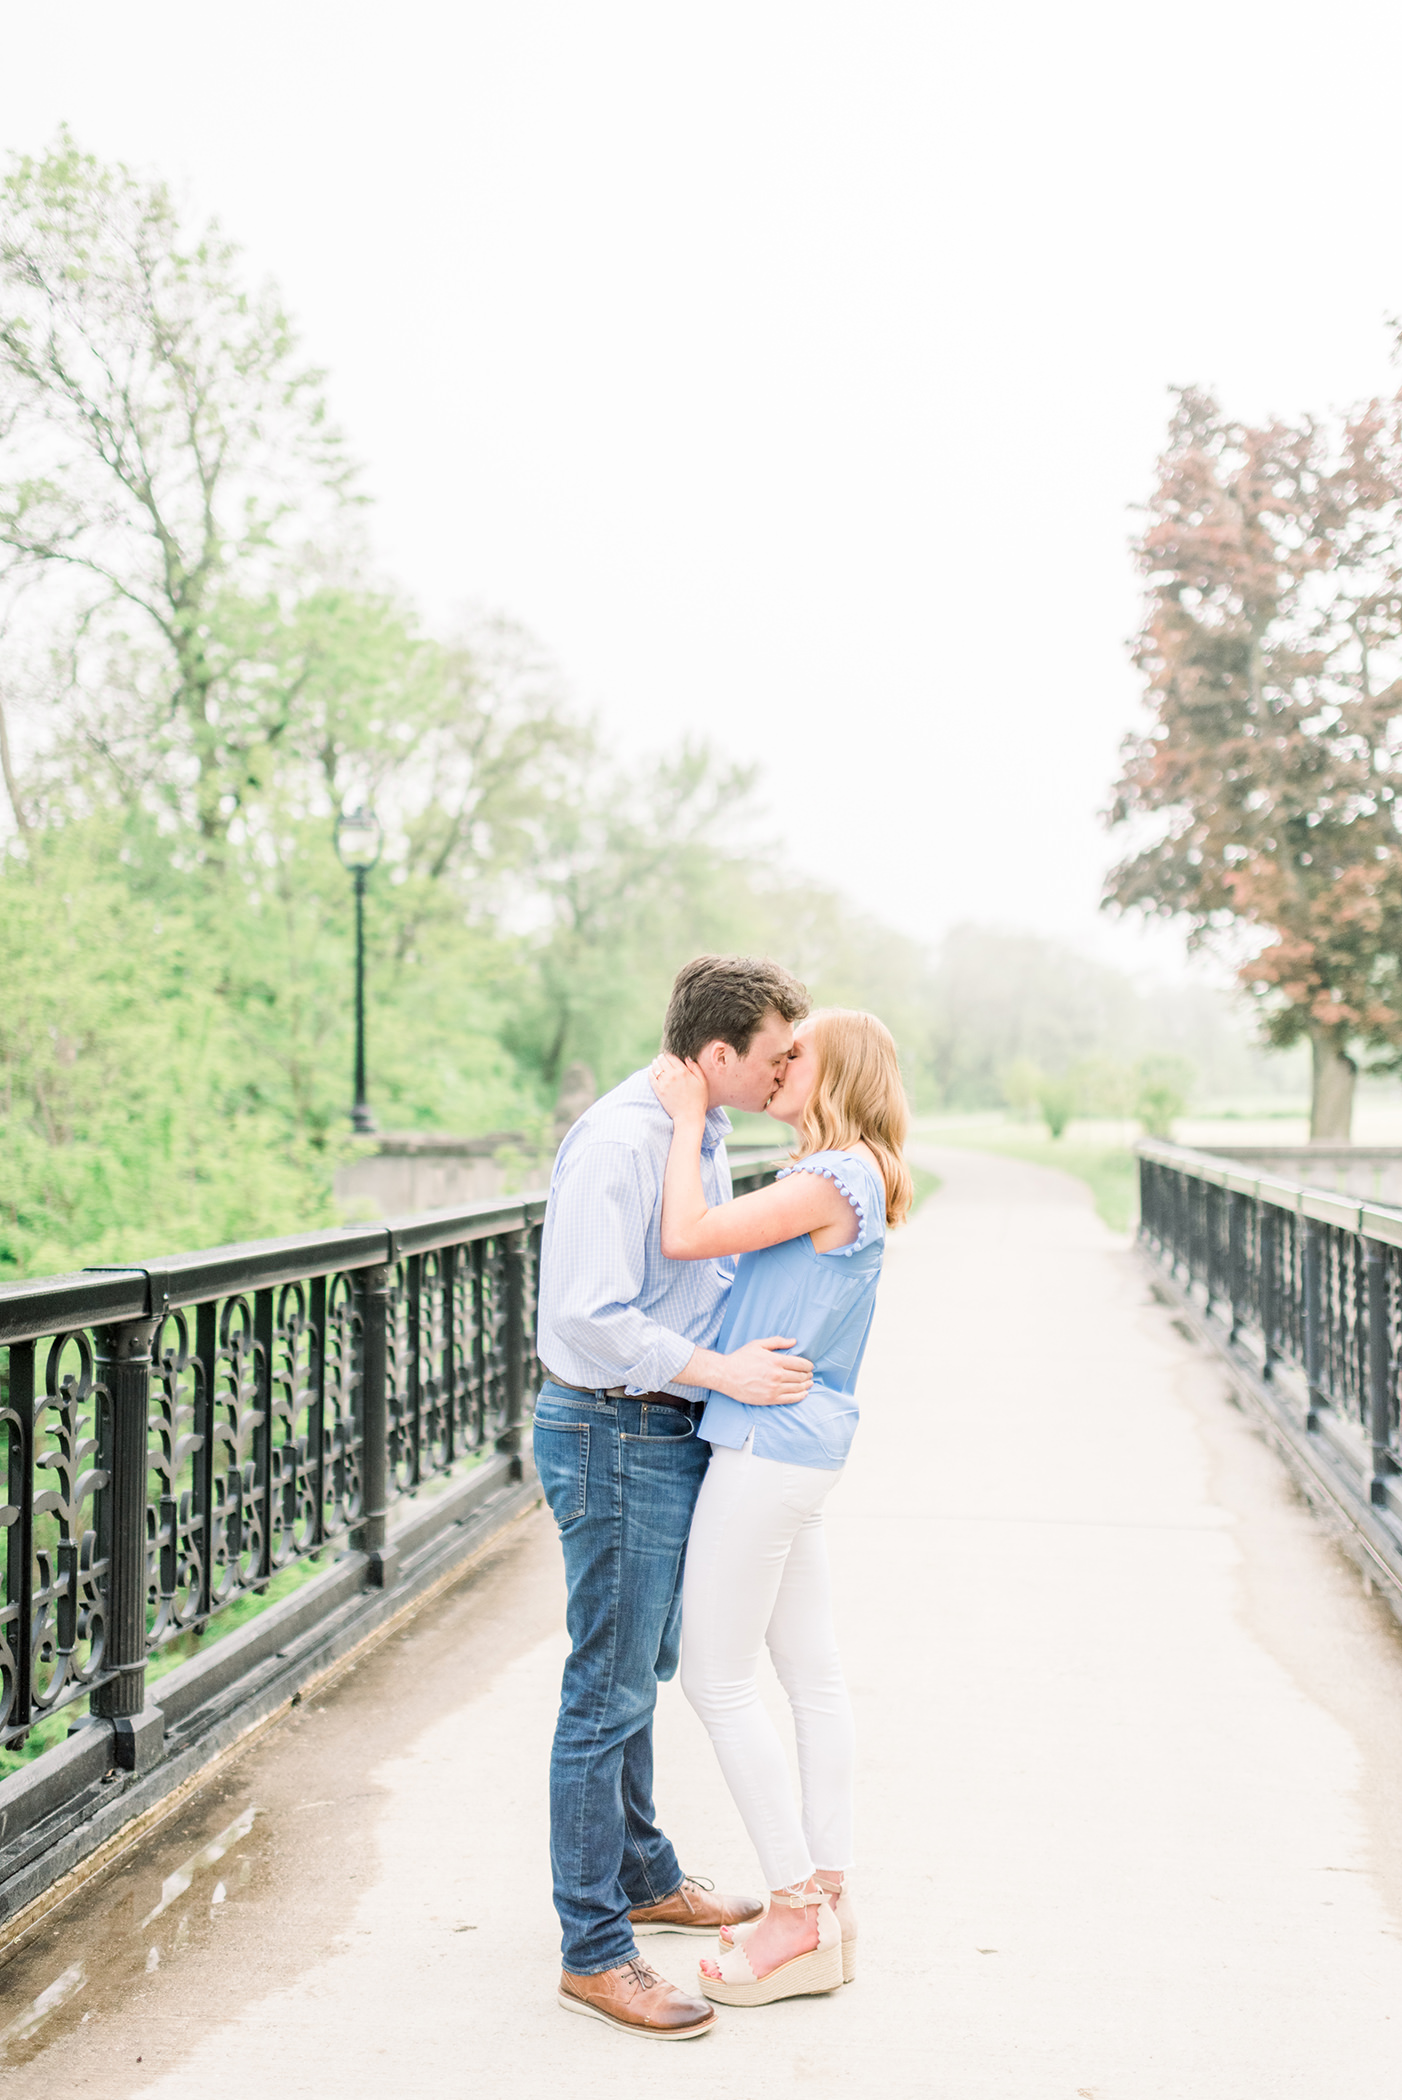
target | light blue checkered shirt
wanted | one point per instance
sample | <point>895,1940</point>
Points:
<point>613,1310</point>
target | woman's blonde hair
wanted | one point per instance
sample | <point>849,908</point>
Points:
<point>858,1098</point>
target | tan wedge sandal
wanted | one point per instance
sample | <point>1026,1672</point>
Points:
<point>844,1910</point>
<point>805,1976</point>
<point>834,1887</point>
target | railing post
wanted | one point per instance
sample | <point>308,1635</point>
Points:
<point>123,1364</point>
<point>19,1536</point>
<point>509,1441</point>
<point>1197,1232</point>
<point>1379,1369</point>
<point>1266,1241</point>
<point>1314,1333</point>
<point>371,1533</point>
<point>1236,1260</point>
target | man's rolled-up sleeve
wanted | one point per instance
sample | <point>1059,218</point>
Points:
<point>599,1237</point>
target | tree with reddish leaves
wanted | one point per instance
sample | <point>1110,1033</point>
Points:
<point>1261,799</point>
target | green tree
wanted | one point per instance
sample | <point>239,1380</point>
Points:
<point>168,459</point>
<point>996,997</point>
<point>638,874</point>
<point>131,1117</point>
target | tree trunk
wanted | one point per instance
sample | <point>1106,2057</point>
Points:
<point>8,771</point>
<point>1331,1102</point>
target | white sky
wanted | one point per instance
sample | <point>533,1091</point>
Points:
<point>789,369</point>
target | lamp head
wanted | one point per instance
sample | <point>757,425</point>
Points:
<point>358,839</point>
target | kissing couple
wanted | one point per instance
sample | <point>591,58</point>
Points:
<point>696,1412</point>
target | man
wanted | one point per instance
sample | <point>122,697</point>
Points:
<point>624,1341</point>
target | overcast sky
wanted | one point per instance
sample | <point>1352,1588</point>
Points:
<point>790,370</point>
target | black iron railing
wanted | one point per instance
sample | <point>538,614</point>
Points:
<point>1304,1288</point>
<point>176,1435</point>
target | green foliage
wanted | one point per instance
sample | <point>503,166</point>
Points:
<point>128,1118</point>
<point>1163,1086</point>
<point>924,1185</point>
<point>48,1733</point>
<point>1006,1005</point>
<point>1057,1100</point>
<point>1109,1171</point>
<point>1155,1089</point>
<point>175,1049</point>
<point>168,458</point>
<point>199,673</point>
<point>999,1011</point>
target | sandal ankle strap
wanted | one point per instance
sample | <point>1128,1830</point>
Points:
<point>798,1896</point>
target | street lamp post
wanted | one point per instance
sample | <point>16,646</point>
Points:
<point>358,847</point>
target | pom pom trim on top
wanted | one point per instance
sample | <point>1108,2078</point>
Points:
<point>815,1166</point>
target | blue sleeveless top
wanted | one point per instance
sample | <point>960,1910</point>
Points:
<point>826,1300</point>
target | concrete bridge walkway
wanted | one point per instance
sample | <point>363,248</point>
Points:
<point>1130,1782</point>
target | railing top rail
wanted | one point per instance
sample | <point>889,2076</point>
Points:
<point>1322,1149</point>
<point>1375,1221</point>
<point>100,1297</point>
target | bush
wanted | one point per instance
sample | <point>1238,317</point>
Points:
<point>1057,1100</point>
<point>1164,1084</point>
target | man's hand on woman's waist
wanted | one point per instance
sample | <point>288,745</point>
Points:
<point>754,1375</point>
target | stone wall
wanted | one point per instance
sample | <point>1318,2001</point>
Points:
<point>413,1171</point>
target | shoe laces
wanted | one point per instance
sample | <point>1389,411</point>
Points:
<point>698,1881</point>
<point>643,1976</point>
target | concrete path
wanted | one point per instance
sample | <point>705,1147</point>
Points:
<point>1130,1783</point>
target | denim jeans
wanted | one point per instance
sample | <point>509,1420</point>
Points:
<point>621,1478</point>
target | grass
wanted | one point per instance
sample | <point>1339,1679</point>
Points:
<point>924,1182</point>
<point>45,1734</point>
<point>1109,1170</point>
<point>227,1619</point>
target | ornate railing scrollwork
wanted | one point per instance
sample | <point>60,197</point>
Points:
<point>1306,1288</point>
<point>175,1437</point>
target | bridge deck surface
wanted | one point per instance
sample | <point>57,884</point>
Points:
<point>1131,1797</point>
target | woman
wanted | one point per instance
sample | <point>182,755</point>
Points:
<point>810,1253</point>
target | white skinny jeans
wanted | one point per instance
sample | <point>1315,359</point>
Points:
<point>757,1572</point>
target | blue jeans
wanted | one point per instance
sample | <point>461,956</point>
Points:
<point>621,1478</point>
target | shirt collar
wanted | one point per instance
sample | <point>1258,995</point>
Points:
<point>718,1123</point>
<point>718,1128</point>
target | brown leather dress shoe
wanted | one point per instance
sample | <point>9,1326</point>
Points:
<point>639,2001</point>
<point>695,1908</point>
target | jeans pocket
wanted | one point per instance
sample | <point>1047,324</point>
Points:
<point>660,1425</point>
<point>561,1452</point>
<point>660,1477</point>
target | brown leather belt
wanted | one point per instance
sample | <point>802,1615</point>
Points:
<point>589,1392</point>
<point>620,1392</point>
